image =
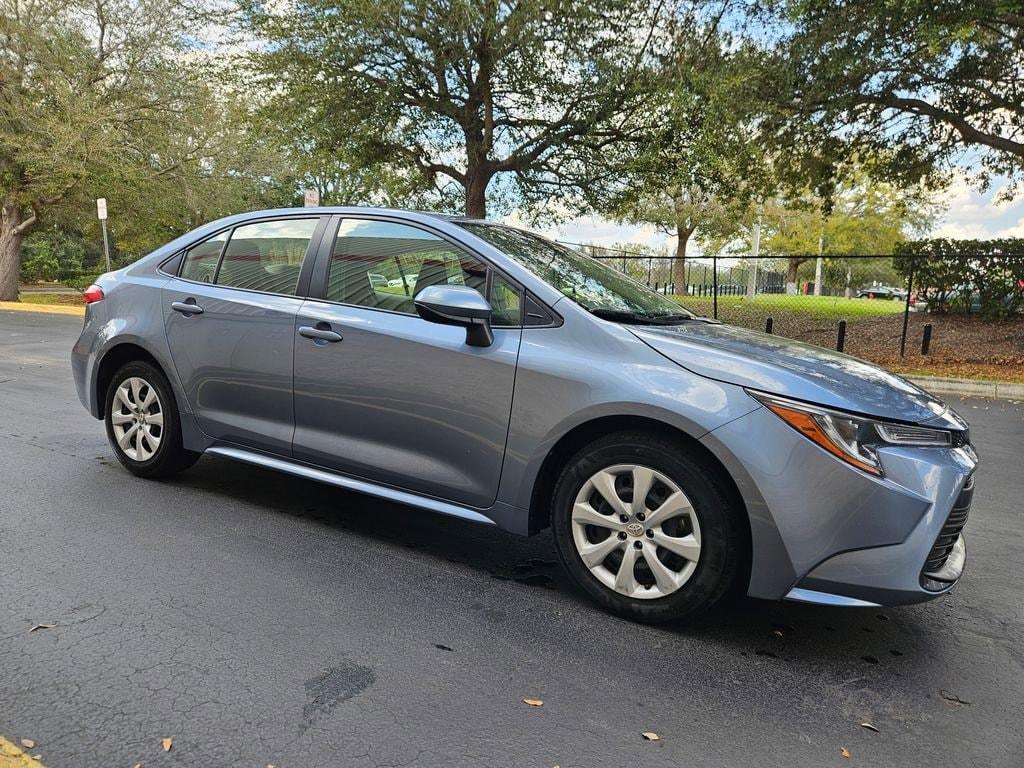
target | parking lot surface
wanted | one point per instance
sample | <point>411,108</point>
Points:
<point>257,619</point>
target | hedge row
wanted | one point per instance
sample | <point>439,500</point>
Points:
<point>985,276</point>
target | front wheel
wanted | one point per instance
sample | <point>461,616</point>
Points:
<point>142,421</point>
<point>647,528</point>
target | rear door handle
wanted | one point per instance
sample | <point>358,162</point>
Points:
<point>187,307</point>
<point>319,334</point>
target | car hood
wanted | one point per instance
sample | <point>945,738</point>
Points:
<point>791,369</point>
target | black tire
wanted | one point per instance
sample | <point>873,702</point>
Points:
<point>722,521</point>
<point>170,456</point>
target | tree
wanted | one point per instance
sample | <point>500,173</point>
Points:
<point>914,81</point>
<point>461,91</point>
<point>700,162</point>
<point>105,98</point>
<point>861,217</point>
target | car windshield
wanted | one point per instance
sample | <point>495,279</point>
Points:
<point>594,286</point>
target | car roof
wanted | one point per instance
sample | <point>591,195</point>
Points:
<point>364,209</point>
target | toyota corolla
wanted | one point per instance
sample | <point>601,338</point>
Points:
<point>472,369</point>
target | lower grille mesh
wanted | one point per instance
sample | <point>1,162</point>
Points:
<point>951,530</point>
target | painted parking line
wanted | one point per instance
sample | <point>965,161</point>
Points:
<point>12,756</point>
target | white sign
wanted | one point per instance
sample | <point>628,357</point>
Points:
<point>101,208</point>
<point>312,198</point>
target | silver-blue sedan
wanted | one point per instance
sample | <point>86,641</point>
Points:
<point>481,371</point>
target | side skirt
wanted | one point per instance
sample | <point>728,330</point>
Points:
<point>349,483</point>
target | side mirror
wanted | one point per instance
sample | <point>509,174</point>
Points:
<point>457,305</point>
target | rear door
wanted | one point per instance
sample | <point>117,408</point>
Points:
<point>230,320</point>
<point>389,396</point>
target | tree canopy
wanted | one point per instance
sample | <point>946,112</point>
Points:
<point>462,91</point>
<point>105,98</point>
<point>688,116</point>
<point>916,82</point>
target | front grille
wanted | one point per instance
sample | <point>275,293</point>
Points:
<point>950,531</point>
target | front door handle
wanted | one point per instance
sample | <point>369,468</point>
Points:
<point>187,307</point>
<point>319,334</point>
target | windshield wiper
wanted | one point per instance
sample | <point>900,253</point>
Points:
<point>671,319</point>
<point>638,318</point>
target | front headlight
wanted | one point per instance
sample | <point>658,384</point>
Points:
<point>853,439</point>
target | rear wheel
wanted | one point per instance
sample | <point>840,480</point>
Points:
<point>142,422</point>
<point>647,529</point>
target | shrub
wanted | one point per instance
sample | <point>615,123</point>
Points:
<point>966,275</point>
<point>48,254</point>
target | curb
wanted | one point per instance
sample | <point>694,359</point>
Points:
<point>1006,390</point>
<point>51,309</point>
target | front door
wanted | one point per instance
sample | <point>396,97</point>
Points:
<point>394,398</point>
<point>230,321</point>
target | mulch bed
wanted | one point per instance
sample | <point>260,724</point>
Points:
<point>960,346</point>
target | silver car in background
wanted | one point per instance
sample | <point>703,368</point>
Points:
<point>481,371</point>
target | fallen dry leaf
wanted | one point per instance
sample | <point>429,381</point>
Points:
<point>844,752</point>
<point>533,702</point>
<point>27,743</point>
<point>42,626</point>
<point>137,765</point>
<point>651,736</point>
<point>952,698</point>
<point>870,727</point>
<point>166,744</point>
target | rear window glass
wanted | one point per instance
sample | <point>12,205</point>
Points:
<point>201,260</point>
<point>266,256</point>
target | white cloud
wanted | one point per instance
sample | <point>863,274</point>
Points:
<point>975,215</point>
<point>594,230</point>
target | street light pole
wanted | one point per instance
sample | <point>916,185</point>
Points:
<point>755,253</point>
<point>817,265</point>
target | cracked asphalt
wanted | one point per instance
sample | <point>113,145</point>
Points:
<point>260,619</point>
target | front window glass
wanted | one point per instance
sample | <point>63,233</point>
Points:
<point>383,265</point>
<point>266,256</point>
<point>505,302</point>
<point>589,283</point>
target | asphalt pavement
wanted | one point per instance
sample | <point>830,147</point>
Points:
<point>257,619</point>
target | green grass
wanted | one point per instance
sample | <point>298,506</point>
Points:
<point>73,299</point>
<point>777,304</point>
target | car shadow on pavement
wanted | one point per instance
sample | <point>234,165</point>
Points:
<point>773,632</point>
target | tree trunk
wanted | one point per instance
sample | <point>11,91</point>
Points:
<point>791,267</point>
<point>679,262</point>
<point>476,193</point>
<point>10,251</point>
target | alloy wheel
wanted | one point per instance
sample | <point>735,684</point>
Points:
<point>636,531</point>
<point>137,418</point>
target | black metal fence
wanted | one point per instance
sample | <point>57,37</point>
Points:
<point>869,305</point>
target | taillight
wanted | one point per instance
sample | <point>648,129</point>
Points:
<point>92,293</point>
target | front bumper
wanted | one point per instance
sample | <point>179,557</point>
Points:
<point>827,533</point>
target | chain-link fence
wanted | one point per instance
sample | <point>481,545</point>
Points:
<point>873,306</point>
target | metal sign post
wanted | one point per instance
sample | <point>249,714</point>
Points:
<point>101,213</point>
